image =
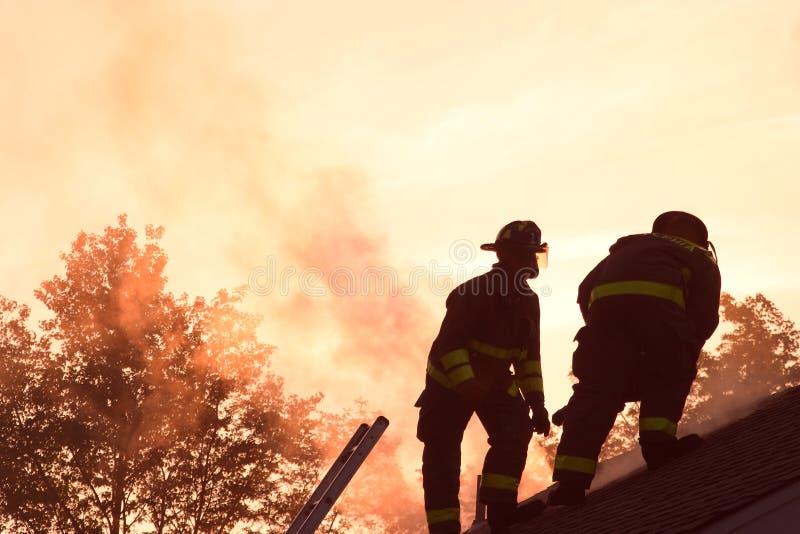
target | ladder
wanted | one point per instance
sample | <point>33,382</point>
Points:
<point>338,476</point>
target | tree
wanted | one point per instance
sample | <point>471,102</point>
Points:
<point>29,478</point>
<point>378,499</point>
<point>758,355</point>
<point>136,410</point>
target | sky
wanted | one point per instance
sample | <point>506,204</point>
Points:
<point>299,148</point>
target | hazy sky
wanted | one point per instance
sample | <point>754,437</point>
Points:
<point>345,135</point>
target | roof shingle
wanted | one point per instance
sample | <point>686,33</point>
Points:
<point>747,459</point>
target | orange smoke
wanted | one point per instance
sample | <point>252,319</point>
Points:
<point>158,111</point>
<point>382,332</point>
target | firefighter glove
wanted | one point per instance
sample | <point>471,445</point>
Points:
<point>540,419</point>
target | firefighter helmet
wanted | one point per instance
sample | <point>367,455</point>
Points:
<point>682,224</point>
<point>524,234</point>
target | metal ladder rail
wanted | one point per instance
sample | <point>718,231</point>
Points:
<point>337,477</point>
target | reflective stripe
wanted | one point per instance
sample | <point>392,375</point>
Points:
<point>439,376</point>
<point>491,350</point>
<point>658,424</point>
<point>453,378</point>
<point>532,383</point>
<point>454,357</point>
<point>531,367</point>
<point>639,287</point>
<point>441,515</point>
<point>496,481</point>
<point>685,243</point>
<point>460,374</point>
<point>575,463</point>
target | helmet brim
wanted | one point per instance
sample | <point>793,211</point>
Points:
<point>495,246</point>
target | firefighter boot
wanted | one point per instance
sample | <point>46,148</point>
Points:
<point>658,454</point>
<point>500,516</point>
<point>567,494</point>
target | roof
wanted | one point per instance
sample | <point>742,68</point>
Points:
<point>740,463</point>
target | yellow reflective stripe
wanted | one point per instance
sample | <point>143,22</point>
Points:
<point>493,351</point>
<point>531,367</point>
<point>575,463</point>
<point>439,376</point>
<point>441,515</point>
<point>532,383</point>
<point>496,481</point>
<point>639,287</point>
<point>453,378</point>
<point>454,358</point>
<point>460,374</point>
<point>658,424</point>
<point>685,243</point>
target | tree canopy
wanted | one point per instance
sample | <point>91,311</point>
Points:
<point>135,410</point>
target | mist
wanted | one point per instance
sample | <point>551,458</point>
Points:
<point>176,114</point>
<point>155,111</point>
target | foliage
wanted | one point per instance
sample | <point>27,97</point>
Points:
<point>757,356</point>
<point>136,410</point>
<point>378,499</point>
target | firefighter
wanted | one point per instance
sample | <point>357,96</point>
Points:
<point>648,308</point>
<point>491,324</point>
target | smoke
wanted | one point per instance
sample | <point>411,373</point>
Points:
<point>156,110</point>
<point>382,336</point>
<point>379,336</point>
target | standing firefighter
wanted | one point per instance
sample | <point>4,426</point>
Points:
<point>649,307</point>
<point>492,323</point>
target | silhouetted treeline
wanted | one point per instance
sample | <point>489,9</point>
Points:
<point>132,409</point>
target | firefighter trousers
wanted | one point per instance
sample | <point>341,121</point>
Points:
<point>443,418</point>
<point>640,360</point>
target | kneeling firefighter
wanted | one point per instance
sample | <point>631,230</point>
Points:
<point>649,307</point>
